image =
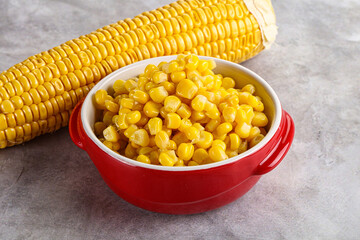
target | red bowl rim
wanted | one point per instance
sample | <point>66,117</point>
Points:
<point>90,134</point>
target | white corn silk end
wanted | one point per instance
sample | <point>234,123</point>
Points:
<point>265,15</point>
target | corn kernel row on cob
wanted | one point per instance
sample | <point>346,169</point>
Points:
<point>37,95</point>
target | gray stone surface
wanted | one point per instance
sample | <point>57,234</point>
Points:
<point>49,188</point>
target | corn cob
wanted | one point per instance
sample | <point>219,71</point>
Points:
<point>38,94</point>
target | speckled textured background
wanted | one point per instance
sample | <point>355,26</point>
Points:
<point>49,188</point>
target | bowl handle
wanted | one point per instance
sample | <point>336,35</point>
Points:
<point>75,129</point>
<point>279,151</point>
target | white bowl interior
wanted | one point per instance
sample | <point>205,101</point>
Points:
<point>240,74</point>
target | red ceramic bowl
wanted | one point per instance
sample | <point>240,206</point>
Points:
<point>185,190</point>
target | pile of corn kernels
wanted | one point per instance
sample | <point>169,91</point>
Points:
<point>180,114</point>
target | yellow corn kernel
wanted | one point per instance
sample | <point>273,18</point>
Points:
<point>143,120</point>
<point>205,140</point>
<point>254,131</point>
<point>110,134</point>
<point>259,107</point>
<point>184,111</point>
<point>108,144</point>
<point>177,76</point>
<point>107,118</point>
<point>212,125</point>
<point>185,151</point>
<point>248,88</point>
<point>192,133</point>
<point>235,141</point>
<point>243,130</point>
<point>154,157</point>
<point>138,106</point>
<point>222,94</point>
<point>215,84</point>
<point>243,147</point>
<point>179,163</point>
<point>119,87</point>
<point>149,69</point>
<point>17,101</point>
<point>173,121</point>
<point>256,140</point>
<point>185,123</point>
<point>111,106</point>
<point>249,113</point>
<point>133,117</point>
<point>130,130</point>
<point>114,120</point>
<point>202,66</point>
<point>253,101</point>
<point>217,153</point>
<point>243,97</point>
<point>159,77</point>
<point>172,145</point>
<point>224,128</point>
<point>200,156</point>
<point>171,154</point>
<point>231,153</point>
<point>163,112</point>
<point>192,163</point>
<point>99,128</point>
<point>100,97</point>
<point>192,62</point>
<point>127,103</point>
<point>180,57</point>
<point>140,96</point>
<point>197,116</point>
<point>149,86</point>
<point>130,85</point>
<point>152,109</point>
<point>121,122</point>
<point>142,82</point>
<point>170,67</point>
<point>219,143</point>
<point>161,64</point>
<point>198,126</point>
<point>193,75</point>
<point>198,83</point>
<point>198,103</point>
<point>143,159</point>
<point>162,139</point>
<point>144,150</point>
<point>155,125</point>
<point>169,87</point>
<point>212,64</point>
<point>116,146</point>
<point>172,104</point>
<point>167,130</point>
<point>233,100</point>
<point>186,89</point>
<point>211,110</point>
<point>158,94</point>
<point>229,114</point>
<point>259,119</point>
<point>179,138</point>
<point>140,137</point>
<point>166,160</point>
<point>130,151</point>
<point>228,82</point>
<point>240,116</point>
<point>209,95</point>
<point>220,137</point>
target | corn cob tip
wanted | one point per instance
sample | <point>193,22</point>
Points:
<point>265,15</point>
